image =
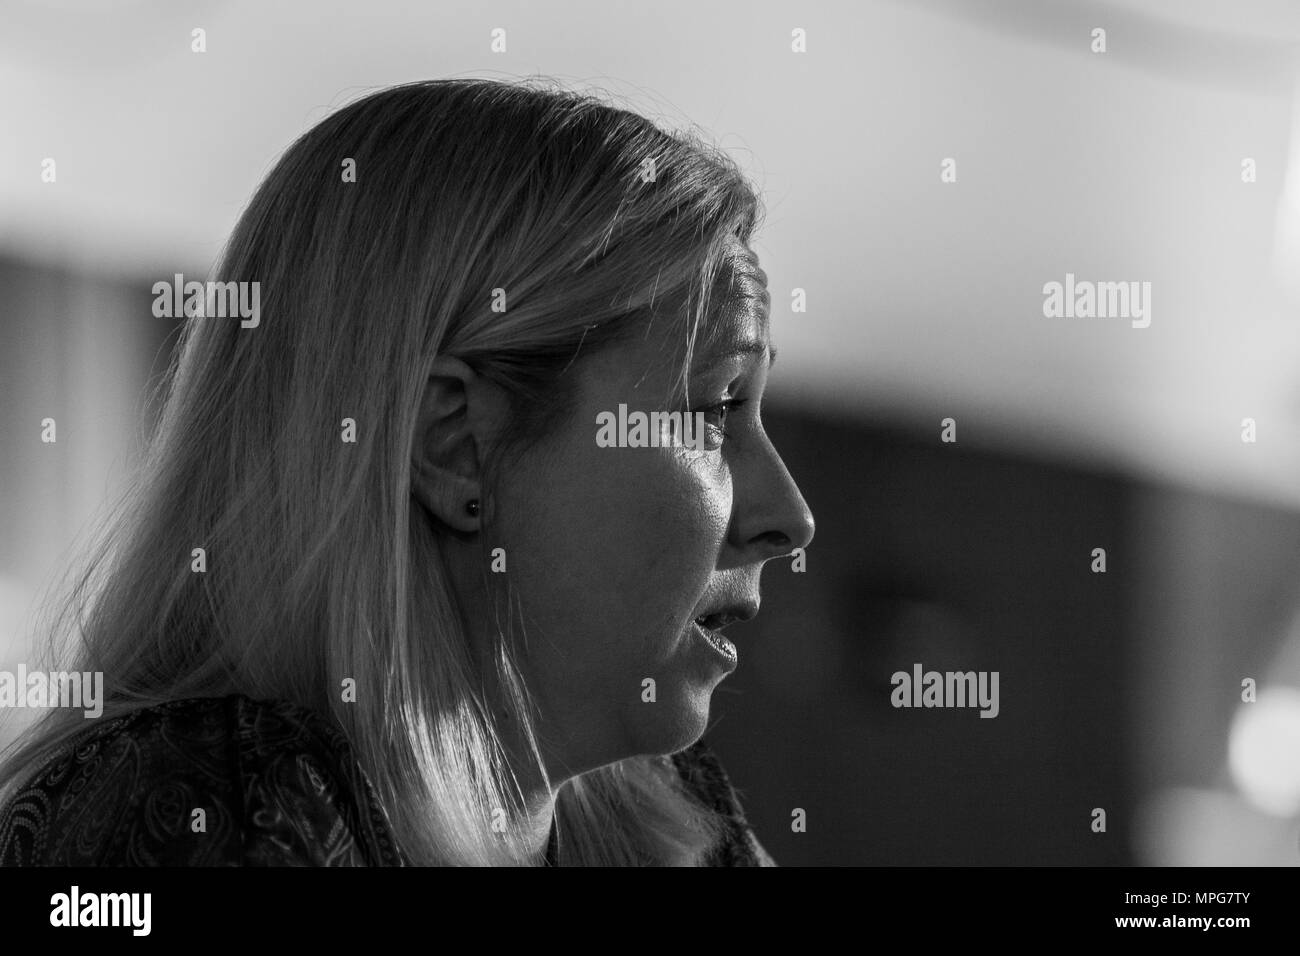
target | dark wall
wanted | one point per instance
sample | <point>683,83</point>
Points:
<point>928,553</point>
<point>1113,687</point>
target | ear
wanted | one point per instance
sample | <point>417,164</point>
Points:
<point>459,413</point>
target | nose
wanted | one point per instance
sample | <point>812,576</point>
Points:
<point>771,516</point>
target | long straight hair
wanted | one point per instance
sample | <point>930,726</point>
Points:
<point>381,240</point>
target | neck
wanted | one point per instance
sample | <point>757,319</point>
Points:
<point>535,819</point>
<point>535,815</point>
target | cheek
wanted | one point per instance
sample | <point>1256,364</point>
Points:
<point>659,513</point>
<point>623,540</point>
<point>675,512</point>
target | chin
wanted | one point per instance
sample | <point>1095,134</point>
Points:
<point>670,725</point>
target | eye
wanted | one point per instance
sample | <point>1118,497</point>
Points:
<point>715,418</point>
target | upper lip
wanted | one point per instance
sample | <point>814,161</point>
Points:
<point>720,617</point>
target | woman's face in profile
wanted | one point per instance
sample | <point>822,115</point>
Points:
<point>615,552</point>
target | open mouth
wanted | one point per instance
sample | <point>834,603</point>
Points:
<point>709,627</point>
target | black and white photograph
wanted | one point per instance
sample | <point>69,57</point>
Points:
<point>857,436</point>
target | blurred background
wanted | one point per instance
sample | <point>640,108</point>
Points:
<point>1119,690</point>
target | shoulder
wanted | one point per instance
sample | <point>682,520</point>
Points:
<point>202,782</point>
<point>702,773</point>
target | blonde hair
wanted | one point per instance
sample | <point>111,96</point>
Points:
<point>319,567</point>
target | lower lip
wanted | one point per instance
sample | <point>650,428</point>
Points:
<point>720,645</point>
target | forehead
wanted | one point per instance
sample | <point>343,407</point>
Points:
<point>741,308</point>
<point>735,330</point>
<point>739,325</point>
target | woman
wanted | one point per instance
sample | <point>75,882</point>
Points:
<point>382,595</point>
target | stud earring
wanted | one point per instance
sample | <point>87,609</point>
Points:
<point>471,508</point>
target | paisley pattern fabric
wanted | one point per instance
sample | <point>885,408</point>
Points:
<point>237,782</point>
<point>703,774</point>
<point>203,782</point>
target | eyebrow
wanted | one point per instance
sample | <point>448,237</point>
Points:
<point>745,347</point>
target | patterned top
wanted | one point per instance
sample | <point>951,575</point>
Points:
<point>231,781</point>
